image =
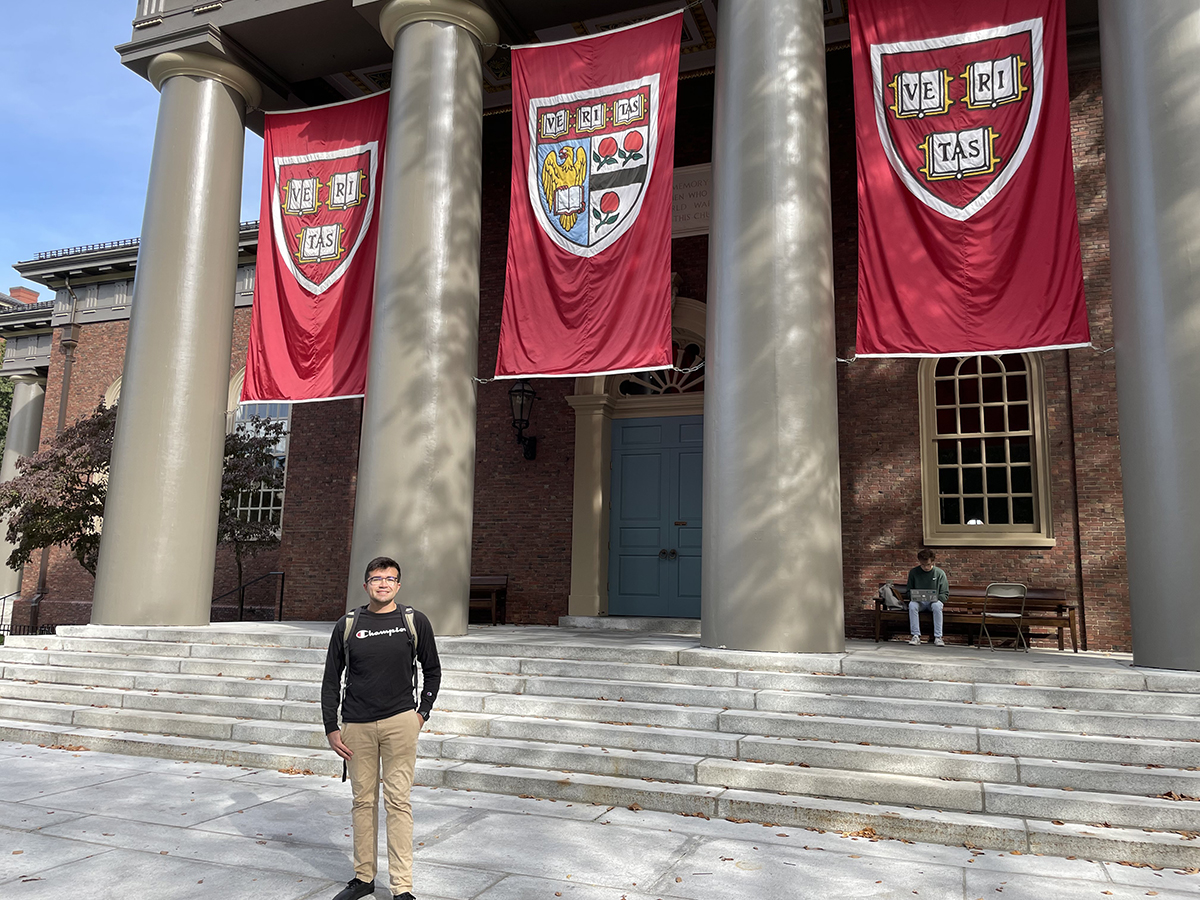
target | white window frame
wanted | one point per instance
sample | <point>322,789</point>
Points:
<point>937,534</point>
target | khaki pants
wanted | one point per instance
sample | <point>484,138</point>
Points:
<point>391,742</point>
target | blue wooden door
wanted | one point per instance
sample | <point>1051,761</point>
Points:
<point>654,543</point>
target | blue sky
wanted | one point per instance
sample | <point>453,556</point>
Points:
<point>78,129</point>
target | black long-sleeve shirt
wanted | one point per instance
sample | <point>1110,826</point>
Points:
<point>380,682</point>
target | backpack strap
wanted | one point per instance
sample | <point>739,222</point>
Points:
<point>351,624</point>
<point>410,620</point>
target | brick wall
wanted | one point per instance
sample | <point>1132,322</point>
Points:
<point>318,508</point>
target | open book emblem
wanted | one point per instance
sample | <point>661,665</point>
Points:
<point>321,210</point>
<point>957,114</point>
<point>590,157</point>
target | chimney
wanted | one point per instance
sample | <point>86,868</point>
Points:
<point>23,294</point>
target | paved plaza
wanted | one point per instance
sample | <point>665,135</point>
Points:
<point>95,826</point>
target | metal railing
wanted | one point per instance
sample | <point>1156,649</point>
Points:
<point>7,627</point>
<point>276,605</point>
<point>113,245</point>
<point>86,248</point>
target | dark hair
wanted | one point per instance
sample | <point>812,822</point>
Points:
<point>926,555</point>
<point>379,563</point>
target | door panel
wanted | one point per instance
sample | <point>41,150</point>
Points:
<point>656,529</point>
<point>641,480</point>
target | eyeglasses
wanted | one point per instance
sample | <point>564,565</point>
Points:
<point>383,579</point>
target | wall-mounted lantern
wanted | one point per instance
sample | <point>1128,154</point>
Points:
<point>521,397</point>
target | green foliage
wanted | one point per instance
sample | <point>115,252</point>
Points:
<point>58,494</point>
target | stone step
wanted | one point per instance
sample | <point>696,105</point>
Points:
<point>681,741</point>
<point>67,659</point>
<point>1122,810</point>
<point>615,671</point>
<point>122,646</point>
<point>201,704</point>
<point>935,712</point>
<point>607,652</point>
<point>1107,777</point>
<point>118,719</point>
<point>265,634</point>
<point>164,746</point>
<point>174,664</point>
<point>208,685</point>
<point>568,758</point>
<point>1091,748</point>
<point>1156,702</point>
<point>702,718</point>
<point>875,787</point>
<point>957,765</point>
<point>919,735</point>
<point>1122,724</point>
<point>662,693</point>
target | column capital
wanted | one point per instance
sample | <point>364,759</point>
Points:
<point>462,13</point>
<point>28,378</point>
<point>204,65</point>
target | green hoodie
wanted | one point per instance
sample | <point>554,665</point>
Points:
<point>933,580</point>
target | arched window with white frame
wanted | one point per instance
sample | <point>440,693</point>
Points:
<point>985,470</point>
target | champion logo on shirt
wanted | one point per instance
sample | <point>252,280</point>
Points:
<point>366,632</point>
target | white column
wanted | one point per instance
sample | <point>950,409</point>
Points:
<point>160,519</point>
<point>589,514</point>
<point>772,569</point>
<point>416,469</point>
<point>1151,65</point>
<point>24,432</point>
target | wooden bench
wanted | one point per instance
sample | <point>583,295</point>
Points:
<point>1044,607</point>
<point>489,592</point>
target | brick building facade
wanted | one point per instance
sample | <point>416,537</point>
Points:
<point>523,509</point>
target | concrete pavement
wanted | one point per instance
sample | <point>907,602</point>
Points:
<point>93,825</point>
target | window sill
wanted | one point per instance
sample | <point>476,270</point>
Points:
<point>989,540</point>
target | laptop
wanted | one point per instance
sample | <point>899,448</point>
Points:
<point>922,596</point>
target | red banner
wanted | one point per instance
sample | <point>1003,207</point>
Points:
<point>968,236</point>
<point>315,274</point>
<point>588,287</point>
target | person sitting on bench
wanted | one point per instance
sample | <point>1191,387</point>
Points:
<point>927,577</point>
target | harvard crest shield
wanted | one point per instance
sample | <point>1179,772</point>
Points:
<point>321,209</point>
<point>957,114</point>
<point>590,157</point>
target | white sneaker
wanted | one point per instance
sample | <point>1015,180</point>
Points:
<point>938,642</point>
<point>915,639</point>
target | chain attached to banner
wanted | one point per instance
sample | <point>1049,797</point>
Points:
<point>697,367</point>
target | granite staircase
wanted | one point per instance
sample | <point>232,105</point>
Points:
<point>995,751</point>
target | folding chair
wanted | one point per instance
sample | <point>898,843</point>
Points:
<point>1001,590</point>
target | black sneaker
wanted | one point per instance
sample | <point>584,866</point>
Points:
<point>407,895</point>
<point>355,889</point>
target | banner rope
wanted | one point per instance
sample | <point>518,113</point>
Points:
<point>690,5</point>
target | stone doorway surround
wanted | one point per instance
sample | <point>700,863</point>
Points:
<point>597,401</point>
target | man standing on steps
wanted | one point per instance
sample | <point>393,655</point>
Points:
<point>379,646</point>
